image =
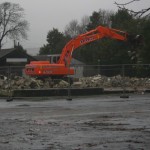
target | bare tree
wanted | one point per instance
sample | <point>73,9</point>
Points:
<point>140,13</point>
<point>72,29</point>
<point>75,28</point>
<point>83,25</point>
<point>12,22</point>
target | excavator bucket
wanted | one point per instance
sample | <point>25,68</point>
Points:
<point>135,40</point>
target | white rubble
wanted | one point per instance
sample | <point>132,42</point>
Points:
<point>118,81</point>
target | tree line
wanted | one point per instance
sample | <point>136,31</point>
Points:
<point>107,51</point>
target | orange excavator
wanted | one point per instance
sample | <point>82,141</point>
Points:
<point>62,67</point>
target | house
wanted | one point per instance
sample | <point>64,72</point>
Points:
<point>13,57</point>
<point>13,60</point>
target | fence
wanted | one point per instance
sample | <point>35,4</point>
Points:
<point>135,76</point>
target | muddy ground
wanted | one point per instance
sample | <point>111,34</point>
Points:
<point>85,123</point>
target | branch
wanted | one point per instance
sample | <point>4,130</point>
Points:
<point>126,3</point>
<point>135,13</point>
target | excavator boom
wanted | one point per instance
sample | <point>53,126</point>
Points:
<point>93,35</point>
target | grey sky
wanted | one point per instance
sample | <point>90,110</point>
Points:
<point>43,15</point>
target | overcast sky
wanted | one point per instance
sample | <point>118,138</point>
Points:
<point>43,15</point>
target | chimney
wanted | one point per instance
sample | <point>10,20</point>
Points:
<point>14,43</point>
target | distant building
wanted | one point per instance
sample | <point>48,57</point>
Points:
<point>13,58</point>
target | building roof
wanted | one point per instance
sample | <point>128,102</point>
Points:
<point>13,54</point>
<point>4,52</point>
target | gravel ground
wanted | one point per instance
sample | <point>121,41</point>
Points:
<point>105,122</point>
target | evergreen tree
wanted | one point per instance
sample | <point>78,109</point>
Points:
<point>56,41</point>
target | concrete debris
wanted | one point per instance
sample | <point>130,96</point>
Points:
<point>77,84</point>
<point>118,81</point>
<point>61,84</point>
<point>3,77</point>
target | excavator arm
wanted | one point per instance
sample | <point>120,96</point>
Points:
<point>83,39</point>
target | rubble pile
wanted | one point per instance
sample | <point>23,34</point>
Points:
<point>18,82</point>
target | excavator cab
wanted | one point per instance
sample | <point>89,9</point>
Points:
<point>54,58</point>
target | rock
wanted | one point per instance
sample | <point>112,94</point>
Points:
<point>34,84</point>
<point>20,81</point>
<point>63,84</point>
<point>1,82</point>
<point>77,84</point>
<point>97,78</point>
<point>2,77</point>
